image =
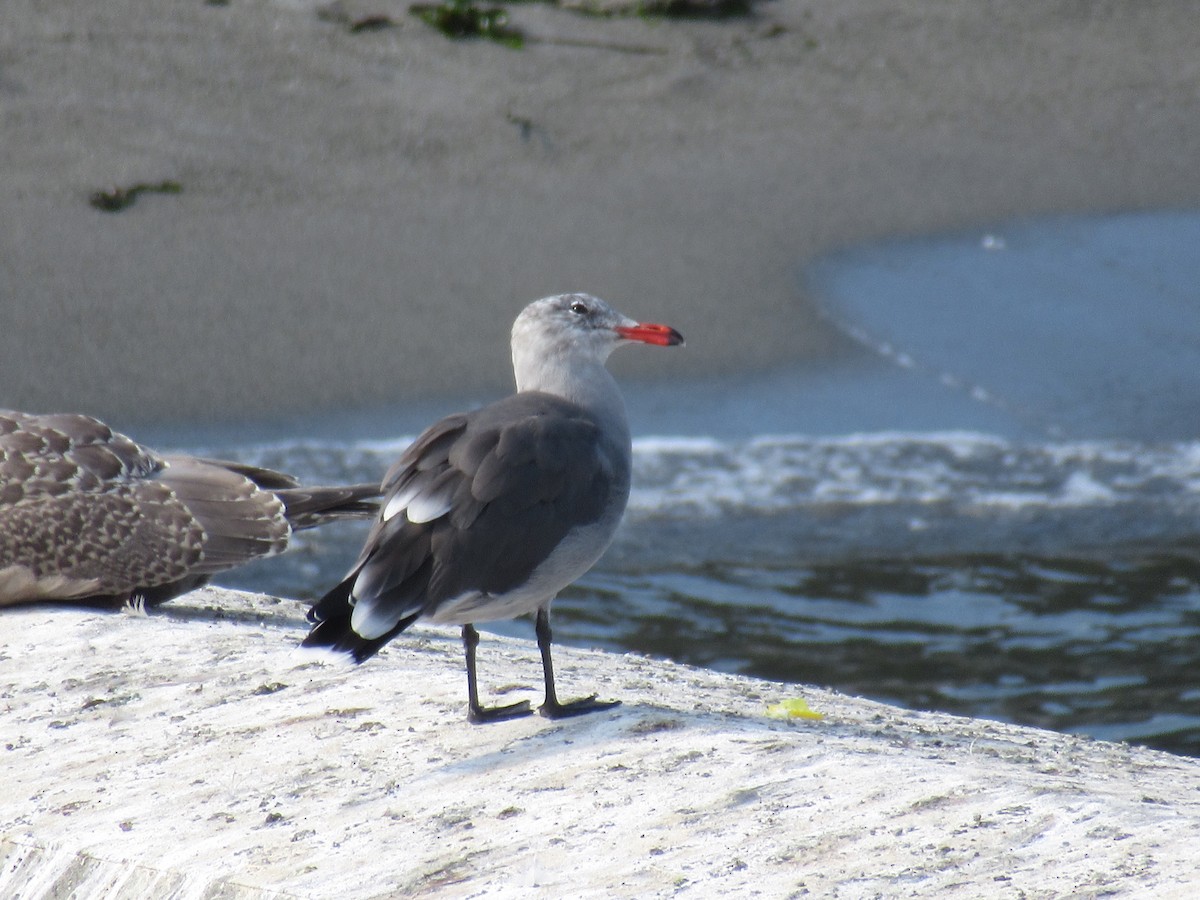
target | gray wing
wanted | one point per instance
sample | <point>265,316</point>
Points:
<point>476,504</point>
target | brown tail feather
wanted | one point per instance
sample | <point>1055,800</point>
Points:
<point>309,507</point>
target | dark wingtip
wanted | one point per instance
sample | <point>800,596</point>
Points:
<point>332,629</point>
<point>336,636</point>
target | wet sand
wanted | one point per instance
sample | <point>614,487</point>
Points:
<point>362,215</point>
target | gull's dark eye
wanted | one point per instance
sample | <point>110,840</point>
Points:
<point>579,308</point>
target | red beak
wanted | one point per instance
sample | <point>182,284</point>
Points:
<point>651,333</point>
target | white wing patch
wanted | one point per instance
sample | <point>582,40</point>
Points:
<point>422,501</point>
<point>398,502</point>
<point>371,619</point>
<point>429,507</point>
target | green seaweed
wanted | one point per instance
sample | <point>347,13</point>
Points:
<point>370,23</point>
<point>462,19</point>
<point>116,199</point>
<point>695,9</point>
<point>337,14</point>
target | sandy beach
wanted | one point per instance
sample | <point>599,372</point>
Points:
<point>362,214</point>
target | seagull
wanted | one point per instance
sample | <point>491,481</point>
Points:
<point>88,515</point>
<point>490,513</point>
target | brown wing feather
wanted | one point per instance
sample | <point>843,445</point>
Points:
<point>87,513</point>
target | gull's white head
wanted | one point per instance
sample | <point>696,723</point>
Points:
<point>568,332</point>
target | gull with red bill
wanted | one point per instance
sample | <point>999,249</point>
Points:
<point>490,513</point>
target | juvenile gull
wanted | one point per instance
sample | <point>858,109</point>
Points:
<point>490,513</point>
<point>88,515</point>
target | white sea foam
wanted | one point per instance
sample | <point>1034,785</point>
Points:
<point>684,476</point>
<point>960,469</point>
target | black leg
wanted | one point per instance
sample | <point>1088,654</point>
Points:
<point>552,708</point>
<point>475,713</point>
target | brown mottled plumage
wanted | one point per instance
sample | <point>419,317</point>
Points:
<point>88,515</point>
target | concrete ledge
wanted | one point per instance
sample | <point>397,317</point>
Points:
<point>195,753</point>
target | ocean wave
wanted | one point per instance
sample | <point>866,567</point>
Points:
<point>954,472</point>
<point>963,471</point>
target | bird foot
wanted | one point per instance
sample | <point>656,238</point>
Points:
<point>478,715</point>
<point>552,709</point>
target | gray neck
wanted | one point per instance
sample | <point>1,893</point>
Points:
<point>584,381</point>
